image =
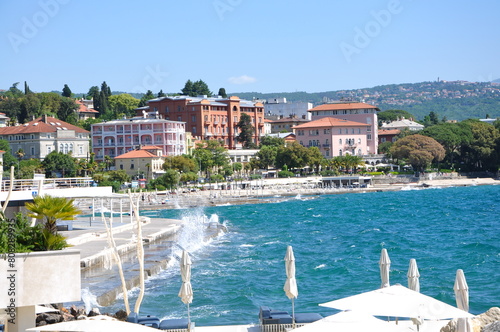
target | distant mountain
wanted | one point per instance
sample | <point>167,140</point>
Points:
<point>496,81</point>
<point>454,100</point>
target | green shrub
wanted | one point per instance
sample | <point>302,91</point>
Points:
<point>285,174</point>
<point>255,176</point>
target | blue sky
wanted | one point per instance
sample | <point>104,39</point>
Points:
<point>246,45</point>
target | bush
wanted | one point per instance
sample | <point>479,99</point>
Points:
<point>375,173</point>
<point>28,238</point>
<point>328,172</point>
<point>114,184</point>
<point>285,174</point>
<point>255,177</point>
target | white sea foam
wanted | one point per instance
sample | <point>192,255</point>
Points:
<point>320,266</point>
<point>89,300</point>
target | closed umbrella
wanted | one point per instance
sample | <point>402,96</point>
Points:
<point>384,264</point>
<point>290,287</point>
<point>186,292</point>
<point>413,275</point>
<point>461,291</point>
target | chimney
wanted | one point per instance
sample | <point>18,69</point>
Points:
<point>44,118</point>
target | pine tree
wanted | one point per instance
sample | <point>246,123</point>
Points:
<point>188,89</point>
<point>246,130</point>
<point>222,93</point>
<point>66,92</point>
<point>161,94</point>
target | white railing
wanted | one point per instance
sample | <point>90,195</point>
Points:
<point>279,327</point>
<point>30,184</point>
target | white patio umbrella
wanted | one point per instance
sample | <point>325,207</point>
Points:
<point>94,325</point>
<point>398,301</point>
<point>186,291</point>
<point>384,264</point>
<point>413,275</point>
<point>351,321</point>
<point>461,291</point>
<point>290,287</point>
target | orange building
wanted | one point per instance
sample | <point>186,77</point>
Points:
<point>209,118</point>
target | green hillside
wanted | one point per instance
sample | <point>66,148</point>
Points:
<point>457,100</point>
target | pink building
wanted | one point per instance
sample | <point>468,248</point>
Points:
<point>358,112</point>
<point>334,137</point>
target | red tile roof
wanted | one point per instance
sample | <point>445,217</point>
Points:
<point>330,122</point>
<point>39,126</point>
<point>341,106</point>
<point>136,154</point>
<point>389,132</point>
<point>84,109</point>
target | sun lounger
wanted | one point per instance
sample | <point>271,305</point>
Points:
<point>144,320</point>
<point>280,321</point>
<point>176,325</point>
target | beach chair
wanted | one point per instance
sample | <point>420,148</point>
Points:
<point>147,320</point>
<point>177,325</point>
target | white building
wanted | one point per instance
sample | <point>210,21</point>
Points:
<point>282,109</point>
<point>403,124</point>
<point>114,138</point>
<point>40,137</point>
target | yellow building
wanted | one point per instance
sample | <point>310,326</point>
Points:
<point>147,160</point>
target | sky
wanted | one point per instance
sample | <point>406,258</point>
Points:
<point>246,45</point>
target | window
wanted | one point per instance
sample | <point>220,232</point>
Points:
<point>32,151</point>
<point>49,149</point>
<point>131,166</point>
<point>32,136</point>
<point>80,150</point>
<point>340,152</point>
<point>382,139</point>
<point>347,131</point>
<point>178,108</point>
<point>369,136</point>
<point>193,118</point>
<point>327,153</point>
<point>179,118</point>
<point>166,109</point>
<point>121,165</point>
<point>340,130</point>
<point>301,143</point>
<point>352,130</point>
<point>359,130</point>
<point>206,117</point>
<point>340,141</point>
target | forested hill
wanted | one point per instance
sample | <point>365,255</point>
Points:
<point>454,100</point>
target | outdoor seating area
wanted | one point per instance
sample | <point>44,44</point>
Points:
<point>280,321</point>
<point>171,325</point>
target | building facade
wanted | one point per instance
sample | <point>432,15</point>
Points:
<point>147,160</point>
<point>209,118</point>
<point>388,135</point>
<point>114,138</point>
<point>286,124</point>
<point>280,107</point>
<point>357,112</point>
<point>334,137</point>
<point>40,137</point>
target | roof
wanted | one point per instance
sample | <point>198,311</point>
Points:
<point>402,123</point>
<point>50,125</point>
<point>84,109</point>
<point>382,132</point>
<point>289,120</point>
<point>331,122</point>
<point>137,154</point>
<point>281,135</point>
<point>341,106</point>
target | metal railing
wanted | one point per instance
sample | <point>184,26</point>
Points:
<point>33,184</point>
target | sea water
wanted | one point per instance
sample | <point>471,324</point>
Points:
<point>337,240</point>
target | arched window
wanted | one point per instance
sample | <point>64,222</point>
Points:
<point>340,152</point>
<point>340,141</point>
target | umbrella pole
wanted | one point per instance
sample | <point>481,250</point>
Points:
<point>189,319</point>
<point>293,314</point>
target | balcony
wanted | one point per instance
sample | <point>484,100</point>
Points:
<point>326,145</point>
<point>352,145</point>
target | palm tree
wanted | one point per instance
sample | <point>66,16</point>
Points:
<point>50,209</point>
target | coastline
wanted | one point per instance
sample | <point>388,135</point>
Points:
<point>293,188</point>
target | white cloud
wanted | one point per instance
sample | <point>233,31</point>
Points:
<point>243,79</point>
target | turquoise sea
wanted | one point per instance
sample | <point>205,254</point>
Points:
<point>337,241</point>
